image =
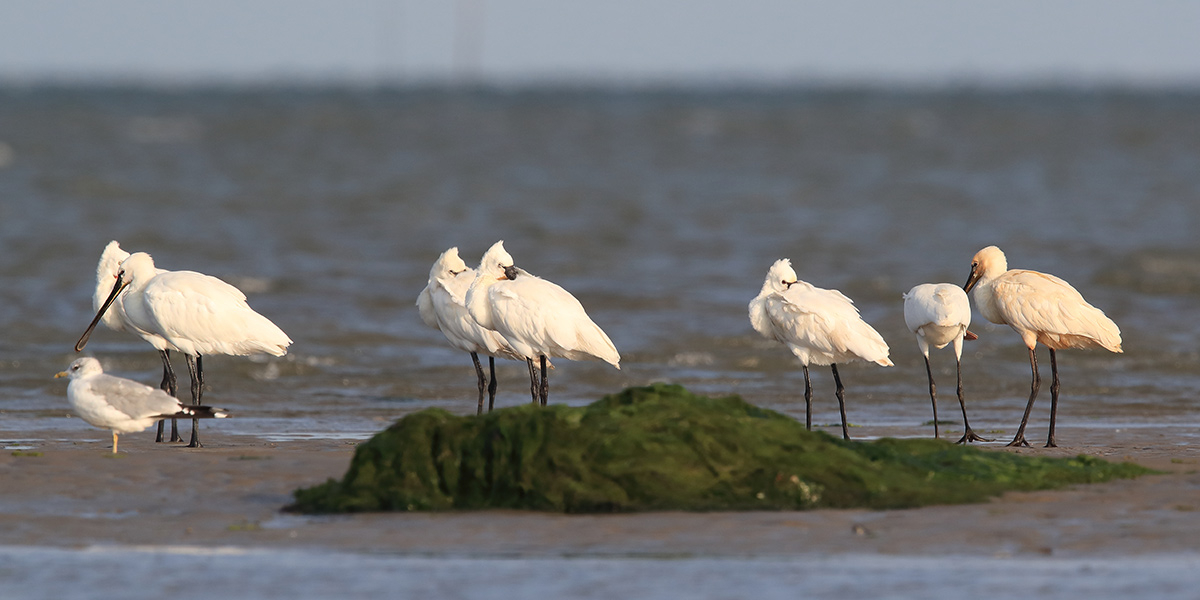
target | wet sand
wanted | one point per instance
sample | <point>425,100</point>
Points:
<point>229,494</point>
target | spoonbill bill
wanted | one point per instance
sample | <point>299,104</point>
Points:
<point>195,313</point>
<point>538,318</point>
<point>115,319</point>
<point>939,314</point>
<point>1040,308</point>
<point>819,326</point>
<point>442,305</point>
<point>123,405</point>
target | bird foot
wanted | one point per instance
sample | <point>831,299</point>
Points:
<point>971,436</point>
<point>197,444</point>
<point>1051,444</point>
<point>1018,442</point>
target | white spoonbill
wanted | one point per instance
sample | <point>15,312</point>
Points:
<point>1040,308</point>
<point>442,305</point>
<point>195,313</point>
<point>819,326</point>
<point>123,405</point>
<point>538,318</point>
<point>115,319</point>
<point>939,314</point>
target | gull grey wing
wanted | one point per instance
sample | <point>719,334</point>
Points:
<point>133,398</point>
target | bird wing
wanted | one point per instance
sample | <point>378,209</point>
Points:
<point>1039,302</point>
<point>462,331</point>
<point>133,399</point>
<point>546,317</point>
<point>425,307</point>
<point>824,321</point>
<point>760,320</point>
<point>201,314</point>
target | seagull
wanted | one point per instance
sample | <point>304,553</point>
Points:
<point>1040,308</point>
<point>123,405</point>
<point>939,314</point>
<point>197,314</point>
<point>819,326</point>
<point>115,319</point>
<point>538,318</point>
<point>442,305</point>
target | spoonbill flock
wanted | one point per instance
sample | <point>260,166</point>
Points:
<point>442,306</point>
<point>499,310</point>
<point>537,317</point>
<point>190,312</point>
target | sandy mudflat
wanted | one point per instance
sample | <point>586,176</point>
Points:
<point>229,494</point>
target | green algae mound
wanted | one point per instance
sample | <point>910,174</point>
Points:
<point>664,448</point>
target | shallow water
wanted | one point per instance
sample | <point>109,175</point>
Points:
<point>661,211</point>
<point>184,572</point>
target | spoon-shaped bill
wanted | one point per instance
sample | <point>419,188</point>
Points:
<point>112,297</point>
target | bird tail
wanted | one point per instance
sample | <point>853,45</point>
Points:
<point>202,412</point>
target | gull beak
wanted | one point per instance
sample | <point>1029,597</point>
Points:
<point>118,287</point>
<point>61,374</point>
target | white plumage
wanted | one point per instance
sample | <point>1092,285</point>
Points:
<point>115,319</point>
<point>939,314</point>
<point>819,326</point>
<point>196,313</point>
<point>192,312</point>
<point>1040,308</point>
<point>442,305</point>
<point>537,317</point>
<point>122,405</point>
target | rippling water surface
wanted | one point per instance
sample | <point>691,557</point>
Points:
<point>661,211</point>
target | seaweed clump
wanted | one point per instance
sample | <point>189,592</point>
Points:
<point>664,448</point>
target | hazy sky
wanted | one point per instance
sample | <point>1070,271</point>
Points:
<point>704,41</point>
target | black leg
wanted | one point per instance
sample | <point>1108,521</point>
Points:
<point>194,369</point>
<point>482,382</point>
<point>535,387</point>
<point>841,396</point>
<point>1050,443</point>
<point>1019,439</point>
<point>807,400</point>
<point>932,397</point>
<point>969,434</point>
<point>168,386</point>
<point>172,388</point>
<point>545,382</point>
<point>492,383</point>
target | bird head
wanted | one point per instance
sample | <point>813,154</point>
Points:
<point>780,277</point>
<point>497,263</point>
<point>986,264</point>
<point>81,367</point>
<point>448,266</point>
